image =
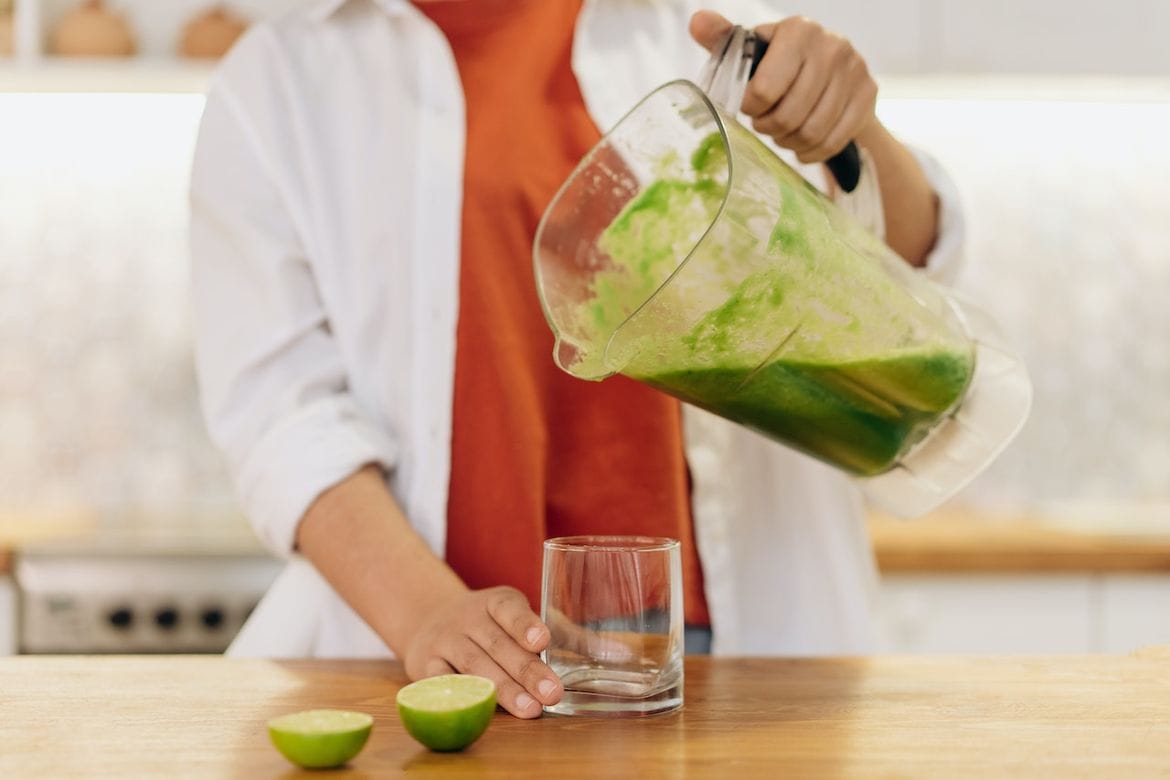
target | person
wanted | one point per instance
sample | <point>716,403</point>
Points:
<point>374,363</point>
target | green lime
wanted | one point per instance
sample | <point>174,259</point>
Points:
<point>448,712</point>
<point>320,739</point>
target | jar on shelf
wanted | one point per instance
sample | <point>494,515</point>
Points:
<point>6,35</point>
<point>92,29</point>
<point>212,33</point>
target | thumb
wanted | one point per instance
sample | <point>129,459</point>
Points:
<point>708,28</point>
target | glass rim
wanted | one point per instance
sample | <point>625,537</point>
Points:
<point>611,543</point>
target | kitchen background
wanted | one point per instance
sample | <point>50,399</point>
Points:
<point>1052,116</point>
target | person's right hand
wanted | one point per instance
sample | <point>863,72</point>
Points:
<point>492,633</point>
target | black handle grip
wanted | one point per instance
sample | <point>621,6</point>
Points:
<point>846,164</point>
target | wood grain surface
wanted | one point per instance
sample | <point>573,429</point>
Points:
<point>204,717</point>
<point>974,543</point>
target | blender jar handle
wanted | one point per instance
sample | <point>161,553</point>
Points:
<point>846,164</point>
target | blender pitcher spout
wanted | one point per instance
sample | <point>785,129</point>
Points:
<point>575,360</point>
<point>650,189</point>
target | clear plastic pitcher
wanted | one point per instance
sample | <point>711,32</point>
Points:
<point>685,254</point>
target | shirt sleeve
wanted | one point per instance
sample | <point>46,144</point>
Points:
<point>946,257</point>
<point>272,380</point>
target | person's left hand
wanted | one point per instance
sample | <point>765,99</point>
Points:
<point>812,91</point>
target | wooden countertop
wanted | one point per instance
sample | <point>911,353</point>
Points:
<point>204,717</point>
<point>970,543</point>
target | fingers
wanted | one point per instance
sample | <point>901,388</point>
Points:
<point>806,135</point>
<point>812,91</point>
<point>522,666</point>
<point>775,76</point>
<point>509,608</point>
<point>838,138</point>
<point>854,106</point>
<point>563,629</point>
<point>857,117</point>
<point>575,638</point>
<point>467,657</point>
<point>492,633</point>
<point>789,115</point>
<point>437,666</point>
<point>708,28</point>
<point>514,641</point>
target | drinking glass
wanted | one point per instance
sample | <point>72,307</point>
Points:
<point>614,607</point>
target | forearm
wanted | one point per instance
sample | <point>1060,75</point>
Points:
<point>357,536</point>
<point>909,202</point>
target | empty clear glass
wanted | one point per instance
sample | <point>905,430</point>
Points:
<point>614,607</point>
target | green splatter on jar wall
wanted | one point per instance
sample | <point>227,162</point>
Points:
<point>782,318</point>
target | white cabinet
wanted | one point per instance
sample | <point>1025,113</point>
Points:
<point>1135,612</point>
<point>7,616</point>
<point>1025,613</point>
<point>986,614</point>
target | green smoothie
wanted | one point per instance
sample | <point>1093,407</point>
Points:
<point>832,411</point>
<point>797,335</point>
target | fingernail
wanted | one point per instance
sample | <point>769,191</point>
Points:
<point>525,702</point>
<point>534,634</point>
<point>547,688</point>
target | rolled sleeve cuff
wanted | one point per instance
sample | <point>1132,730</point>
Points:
<point>946,258</point>
<point>305,455</point>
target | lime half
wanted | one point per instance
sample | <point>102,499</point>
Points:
<point>320,739</point>
<point>448,712</point>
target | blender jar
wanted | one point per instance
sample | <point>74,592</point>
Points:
<point>683,253</point>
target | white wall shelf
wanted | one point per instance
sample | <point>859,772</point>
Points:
<point>141,74</point>
<point>156,68</point>
<point>1039,613</point>
<point>898,37</point>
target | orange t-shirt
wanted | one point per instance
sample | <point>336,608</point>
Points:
<point>536,453</point>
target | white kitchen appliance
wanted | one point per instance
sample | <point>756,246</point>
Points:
<point>140,589</point>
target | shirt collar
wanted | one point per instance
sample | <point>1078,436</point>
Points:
<point>321,10</point>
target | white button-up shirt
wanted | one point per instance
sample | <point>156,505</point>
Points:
<point>326,214</point>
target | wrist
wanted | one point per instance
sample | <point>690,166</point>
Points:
<point>430,597</point>
<point>873,134</point>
